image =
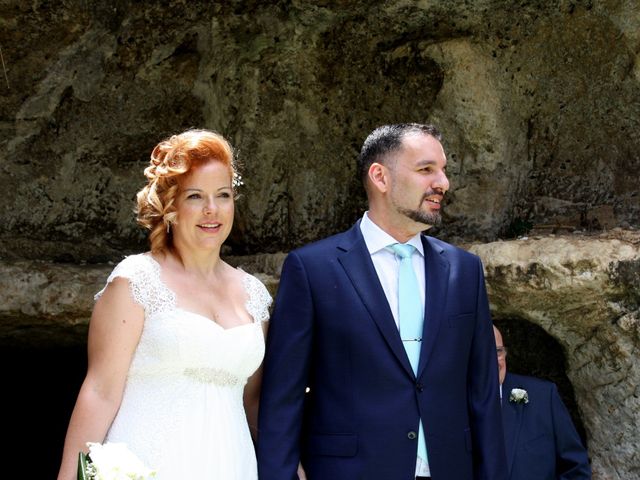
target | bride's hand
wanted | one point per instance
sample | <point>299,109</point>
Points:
<point>301,474</point>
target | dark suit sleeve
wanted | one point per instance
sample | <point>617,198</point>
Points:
<point>572,460</point>
<point>489,455</point>
<point>286,368</point>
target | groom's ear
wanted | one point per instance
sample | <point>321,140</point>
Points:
<point>379,177</point>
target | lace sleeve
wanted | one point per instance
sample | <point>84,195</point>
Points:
<point>259,300</point>
<point>143,273</point>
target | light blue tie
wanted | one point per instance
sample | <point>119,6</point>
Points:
<point>410,317</point>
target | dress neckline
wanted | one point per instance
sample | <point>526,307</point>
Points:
<point>174,297</point>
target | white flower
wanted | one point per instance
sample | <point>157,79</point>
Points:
<point>114,461</point>
<point>519,395</point>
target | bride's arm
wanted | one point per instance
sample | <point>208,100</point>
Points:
<point>114,332</point>
<point>252,395</point>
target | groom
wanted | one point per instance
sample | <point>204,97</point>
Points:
<point>380,359</point>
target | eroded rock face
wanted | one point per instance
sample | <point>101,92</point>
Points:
<point>585,292</point>
<point>538,102</point>
<point>44,304</point>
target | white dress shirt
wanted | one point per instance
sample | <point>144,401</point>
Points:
<point>387,267</point>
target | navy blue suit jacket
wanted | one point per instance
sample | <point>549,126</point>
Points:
<point>542,442</point>
<point>332,330</point>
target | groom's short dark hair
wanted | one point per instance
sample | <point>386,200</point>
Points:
<point>386,139</point>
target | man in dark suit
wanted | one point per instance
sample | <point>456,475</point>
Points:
<point>542,443</point>
<point>349,390</point>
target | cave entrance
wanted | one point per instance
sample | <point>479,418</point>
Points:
<point>40,388</point>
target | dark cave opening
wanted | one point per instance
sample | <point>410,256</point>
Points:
<point>41,385</point>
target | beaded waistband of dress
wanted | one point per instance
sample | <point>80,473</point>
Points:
<point>214,376</point>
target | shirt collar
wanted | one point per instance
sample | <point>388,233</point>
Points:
<point>377,239</point>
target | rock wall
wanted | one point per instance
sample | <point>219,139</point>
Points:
<point>538,102</point>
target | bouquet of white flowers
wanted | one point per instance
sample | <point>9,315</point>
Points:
<point>111,461</point>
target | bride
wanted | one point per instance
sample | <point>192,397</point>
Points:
<point>176,337</point>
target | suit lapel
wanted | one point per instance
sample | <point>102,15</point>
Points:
<point>511,421</point>
<point>436,282</point>
<point>357,263</point>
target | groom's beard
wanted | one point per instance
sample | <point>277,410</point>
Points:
<point>420,216</point>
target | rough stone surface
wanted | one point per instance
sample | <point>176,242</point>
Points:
<point>42,304</point>
<point>538,102</point>
<point>585,292</point>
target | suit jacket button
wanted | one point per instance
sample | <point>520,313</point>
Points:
<point>412,435</point>
<point>419,387</point>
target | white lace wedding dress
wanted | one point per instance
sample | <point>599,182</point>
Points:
<point>182,411</point>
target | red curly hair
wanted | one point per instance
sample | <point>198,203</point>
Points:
<point>171,159</point>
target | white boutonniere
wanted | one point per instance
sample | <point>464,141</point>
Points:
<point>519,395</point>
<point>111,461</point>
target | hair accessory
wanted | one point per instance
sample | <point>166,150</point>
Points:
<point>237,181</point>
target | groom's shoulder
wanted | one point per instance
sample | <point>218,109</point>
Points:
<point>323,245</point>
<point>329,245</point>
<point>452,251</point>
